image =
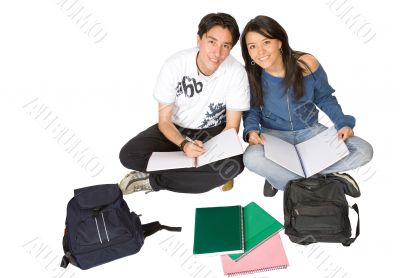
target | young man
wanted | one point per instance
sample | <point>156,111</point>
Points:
<point>201,92</point>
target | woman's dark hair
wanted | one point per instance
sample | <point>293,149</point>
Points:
<point>219,19</point>
<point>271,29</point>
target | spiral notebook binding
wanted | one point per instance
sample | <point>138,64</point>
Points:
<point>254,247</point>
<point>242,224</point>
<point>257,270</point>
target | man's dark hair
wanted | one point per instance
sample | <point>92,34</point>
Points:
<point>219,19</point>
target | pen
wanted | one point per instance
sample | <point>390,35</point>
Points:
<point>260,131</point>
<point>191,140</point>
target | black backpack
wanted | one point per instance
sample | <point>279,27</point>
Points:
<point>316,209</point>
<point>100,227</point>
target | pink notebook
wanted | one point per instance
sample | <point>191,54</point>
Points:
<point>268,255</point>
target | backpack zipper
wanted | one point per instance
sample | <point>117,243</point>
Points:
<point>98,231</point>
<point>105,228</point>
<point>97,227</point>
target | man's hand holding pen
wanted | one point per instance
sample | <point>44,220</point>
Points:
<point>193,148</point>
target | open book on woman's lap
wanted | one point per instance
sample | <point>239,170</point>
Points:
<point>309,157</point>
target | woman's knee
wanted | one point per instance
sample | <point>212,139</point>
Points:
<point>368,152</point>
<point>251,157</point>
<point>364,150</point>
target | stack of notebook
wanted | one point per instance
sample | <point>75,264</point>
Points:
<point>268,255</point>
<point>252,242</point>
<point>218,230</point>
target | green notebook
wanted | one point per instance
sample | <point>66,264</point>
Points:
<point>218,230</point>
<point>259,225</point>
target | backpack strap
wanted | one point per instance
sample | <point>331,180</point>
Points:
<point>64,262</point>
<point>351,240</point>
<point>67,258</point>
<point>153,227</point>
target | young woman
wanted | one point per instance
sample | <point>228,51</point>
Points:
<point>286,87</point>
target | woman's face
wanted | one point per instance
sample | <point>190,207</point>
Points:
<point>263,51</point>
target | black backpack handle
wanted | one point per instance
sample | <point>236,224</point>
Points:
<point>351,240</point>
<point>153,227</point>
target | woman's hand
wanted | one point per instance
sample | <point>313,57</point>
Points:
<point>345,132</point>
<point>255,139</point>
<point>193,149</point>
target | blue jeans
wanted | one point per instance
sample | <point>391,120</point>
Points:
<point>361,152</point>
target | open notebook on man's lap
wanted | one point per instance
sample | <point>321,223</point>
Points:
<point>224,145</point>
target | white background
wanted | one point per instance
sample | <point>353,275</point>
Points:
<point>102,92</point>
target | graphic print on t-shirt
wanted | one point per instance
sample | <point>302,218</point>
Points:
<point>215,116</point>
<point>188,86</point>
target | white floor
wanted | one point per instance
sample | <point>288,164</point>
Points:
<point>59,79</point>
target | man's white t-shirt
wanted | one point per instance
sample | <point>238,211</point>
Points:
<point>201,101</point>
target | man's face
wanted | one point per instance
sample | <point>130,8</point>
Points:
<point>214,47</point>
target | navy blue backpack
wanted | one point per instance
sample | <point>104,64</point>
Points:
<point>100,227</point>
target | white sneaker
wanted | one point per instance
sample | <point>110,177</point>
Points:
<point>135,181</point>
